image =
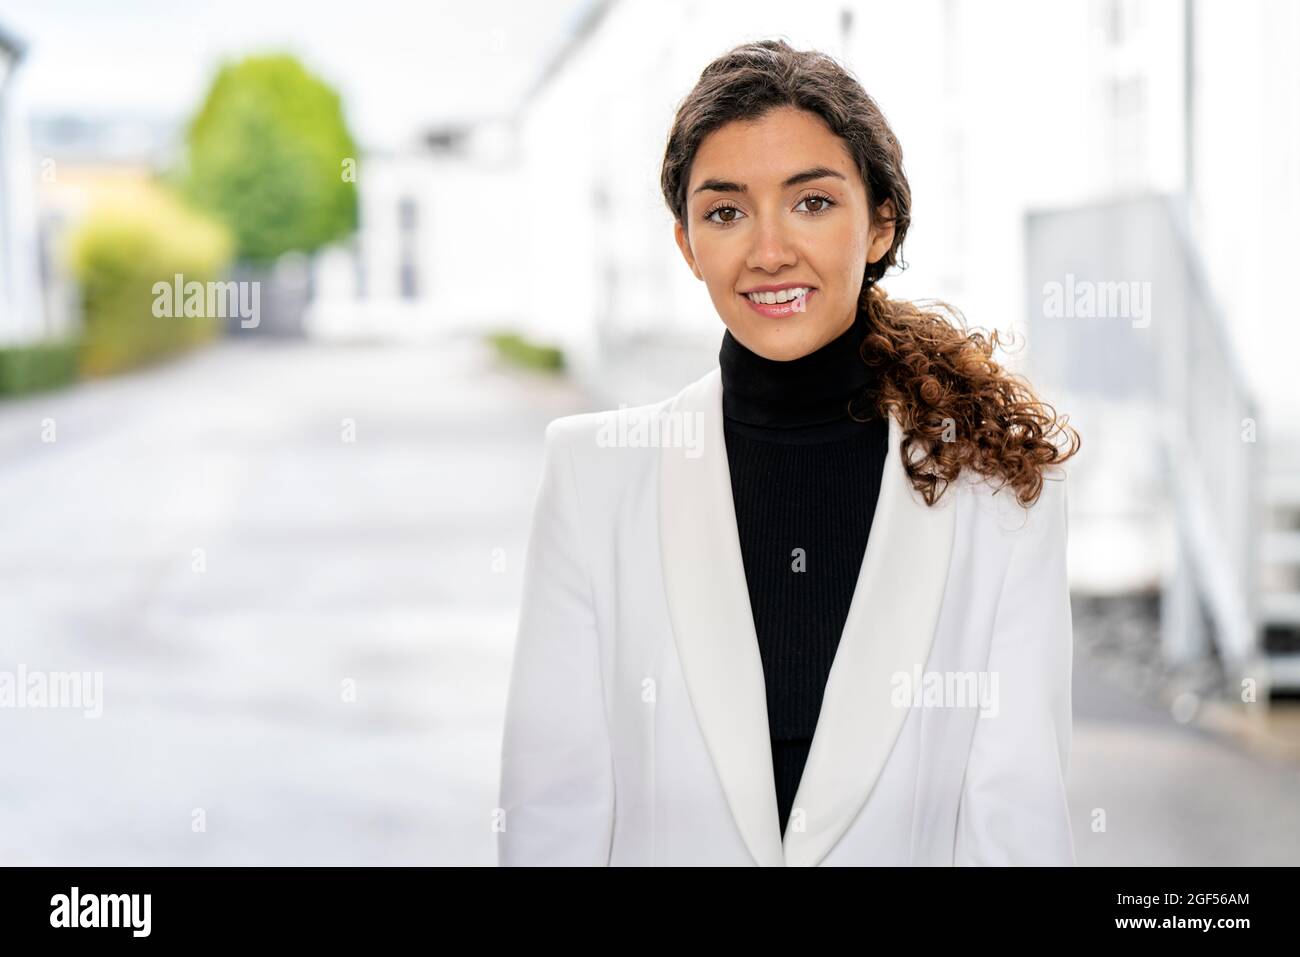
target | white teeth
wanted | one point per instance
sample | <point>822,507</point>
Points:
<point>785,295</point>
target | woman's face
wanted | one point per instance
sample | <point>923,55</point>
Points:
<point>779,202</point>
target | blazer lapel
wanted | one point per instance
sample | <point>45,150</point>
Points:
<point>713,625</point>
<point>889,629</point>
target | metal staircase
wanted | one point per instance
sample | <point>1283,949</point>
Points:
<point>1231,588</point>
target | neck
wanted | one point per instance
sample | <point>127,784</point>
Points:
<point>824,388</point>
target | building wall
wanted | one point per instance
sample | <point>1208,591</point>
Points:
<point>22,317</point>
<point>1246,190</point>
<point>437,251</point>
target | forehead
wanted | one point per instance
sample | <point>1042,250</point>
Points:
<point>761,153</point>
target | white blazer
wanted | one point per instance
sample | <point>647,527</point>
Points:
<point>636,725</point>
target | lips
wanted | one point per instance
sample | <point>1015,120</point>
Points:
<point>780,310</point>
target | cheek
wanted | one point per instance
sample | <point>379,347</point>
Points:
<point>717,261</point>
<point>852,242</point>
<point>844,254</point>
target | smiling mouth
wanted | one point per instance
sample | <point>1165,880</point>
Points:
<point>778,310</point>
<point>784,294</point>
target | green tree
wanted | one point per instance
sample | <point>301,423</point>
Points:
<point>266,154</point>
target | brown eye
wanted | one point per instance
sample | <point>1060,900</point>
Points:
<point>722,209</point>
<point>824,203</point>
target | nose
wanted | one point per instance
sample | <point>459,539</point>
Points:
<point>771,249</point>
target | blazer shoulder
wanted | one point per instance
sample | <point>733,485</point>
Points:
<point>1047,513</point>
<point>638,432</point>
<point>606,427</point>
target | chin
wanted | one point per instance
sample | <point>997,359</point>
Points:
<point>782,340</point>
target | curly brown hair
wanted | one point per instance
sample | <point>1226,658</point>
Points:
<point>957,406</point>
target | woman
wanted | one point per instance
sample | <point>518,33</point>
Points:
<point>789,616</point>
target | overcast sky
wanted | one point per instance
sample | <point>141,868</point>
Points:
<point>400,65</point>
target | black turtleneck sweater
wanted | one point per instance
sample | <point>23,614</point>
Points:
<point>805,476</point>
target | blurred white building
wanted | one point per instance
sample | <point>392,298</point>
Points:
<point>417,270</point>
<point>21,315</point>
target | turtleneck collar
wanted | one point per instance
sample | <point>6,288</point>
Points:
<point>811,392</point>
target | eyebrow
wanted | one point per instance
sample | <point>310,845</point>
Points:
<point>726,186</point>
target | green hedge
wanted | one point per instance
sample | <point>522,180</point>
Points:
<point>139,237</point>
<point>36,367</point>
<point>519,350</point>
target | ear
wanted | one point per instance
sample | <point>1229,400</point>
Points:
<point>684,244</point>
<point>882,235</point>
